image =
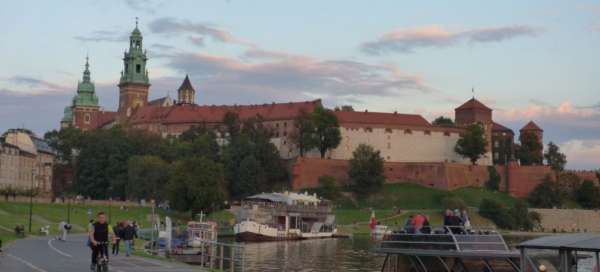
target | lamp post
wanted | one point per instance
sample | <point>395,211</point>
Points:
<point>31,198</point>
<point>68,210</point>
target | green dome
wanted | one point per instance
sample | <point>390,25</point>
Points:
<point>86,91</point>
<point>68,115</point>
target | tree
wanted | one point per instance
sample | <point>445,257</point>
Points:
<point>554,158</point>
<point>147,177</point>
<point>530,150</point>
<point>66,142</point>
<point>493,183</point>
<point>443,121</point>
<point>251,177</point>
<point>232,124</point>
<point>304,136</point>
<point>366,170</point>
<point>588,195</point>
<point>547,194</point>
<point>328,188</point>
<point>472,143</point>
<point>327,130</point>
<point>196,184</point>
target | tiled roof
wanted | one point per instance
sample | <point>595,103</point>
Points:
<point>186,85</point>
<point>158,101</point>
<point>215,114</point>
<point>498,127</point>
<point>105,117</point>
<point>531,126</point>
<point>381,118</point>
<point>473,104</point>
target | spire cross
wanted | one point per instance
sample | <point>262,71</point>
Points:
<point>136,22</point>
<point>473,91</point>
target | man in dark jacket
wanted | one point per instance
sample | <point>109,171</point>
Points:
<point>129,234</point>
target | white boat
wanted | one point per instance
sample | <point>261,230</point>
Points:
<point>284,216</point>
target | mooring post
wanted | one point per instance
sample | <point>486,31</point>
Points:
<point>221,248</point>
<point>231,259</point>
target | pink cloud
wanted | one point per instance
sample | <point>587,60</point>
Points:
<point>583,153</point>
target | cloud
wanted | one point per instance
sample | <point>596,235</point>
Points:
<point>146,6</point>
<point>288,76</point>
<point>104,36</point>
<point>197,41</point>
<point>582,153</point>
<point>171,26</point>
<point>409,40</point>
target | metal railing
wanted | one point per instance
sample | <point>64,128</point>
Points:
<point>213,255</point>
<point>455,238</point>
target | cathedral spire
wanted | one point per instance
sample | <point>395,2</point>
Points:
<point>134,61</point>
<point>86,72</point>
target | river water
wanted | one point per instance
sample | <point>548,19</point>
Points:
<point>343,254</point>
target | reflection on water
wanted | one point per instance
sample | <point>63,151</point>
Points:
<point>313,255</point>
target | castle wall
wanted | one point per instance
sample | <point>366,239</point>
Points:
<point>402,144</point>
<point>446,176</point>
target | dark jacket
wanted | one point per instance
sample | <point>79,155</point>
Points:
<point>129,233</point>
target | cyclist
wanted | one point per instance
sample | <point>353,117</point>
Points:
<point>99,234</point>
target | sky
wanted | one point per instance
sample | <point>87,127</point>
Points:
<point>527,60</point>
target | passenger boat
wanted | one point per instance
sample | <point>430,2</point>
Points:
<point>457,249</point>
<point>284,216</point>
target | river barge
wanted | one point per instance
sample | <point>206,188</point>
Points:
<point>284,216</point>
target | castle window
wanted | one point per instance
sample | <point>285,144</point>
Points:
<point>87,118</point>
<point>285,133</point>
<point>407,131</point>
<point>285,124</point>
<point>368,129</point>
<point>138,68</point>
<point>276,124</point>
<point>427,132</point>
<point>446,133</point>
<point>388,130</point>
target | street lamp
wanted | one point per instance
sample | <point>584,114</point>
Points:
<point>31,198</point>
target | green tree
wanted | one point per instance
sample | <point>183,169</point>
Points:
<point>196,184</point>
<point>304,136</point>
<point>547,194</point>
<point>147,177</point>
<point>472,143</point>
<point>66,142</point>
<point>555,159</point>
<point>493,183</point>
<point>327,130</point>
<point>588,195</point>
<point>328,188</point>
<point>251,177</point>
<point>232,124</point>
<point>496,212</point>
<point>443,121</point>
<point>530,150</point>
<point>366,170</point>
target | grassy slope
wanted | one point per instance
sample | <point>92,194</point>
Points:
<point>12,213</point>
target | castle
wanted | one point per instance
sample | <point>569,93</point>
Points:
<point>399,137</point>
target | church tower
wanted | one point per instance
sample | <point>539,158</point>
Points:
<point>84,109</point>
<point>186,93</point>
<point>134,83</point>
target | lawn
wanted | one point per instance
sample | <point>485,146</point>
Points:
<point>16,213</point>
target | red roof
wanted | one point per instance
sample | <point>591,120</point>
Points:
<point>473,104</point>
<point>215,114</point>
<point>381,118</point>
<point>531,126</point>
<point>498,127</point>
<point>104,117</point>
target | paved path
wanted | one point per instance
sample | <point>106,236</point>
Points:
<point>43,254</point>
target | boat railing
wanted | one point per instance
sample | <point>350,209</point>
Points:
<point>455,238</point>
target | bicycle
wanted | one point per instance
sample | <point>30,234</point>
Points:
<point>102,258</point>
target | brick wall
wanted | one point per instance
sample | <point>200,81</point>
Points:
<point>447,176</point>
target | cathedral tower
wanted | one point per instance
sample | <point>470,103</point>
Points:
<point>84,109</point>
<point>186,93</point>
<point>134,83</point>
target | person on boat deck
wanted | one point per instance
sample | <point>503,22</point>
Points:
<point>418,221</point>
<point>408,225</point>
<point>426,226</point>
<point>466,220</point>
<point>453,221</point>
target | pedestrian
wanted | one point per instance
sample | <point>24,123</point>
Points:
<point>408,225</point>
<point>128,235</point>
<point>466,220</point>
<point>62,231</point>
<point>118,229</point>
<point>418,221</point>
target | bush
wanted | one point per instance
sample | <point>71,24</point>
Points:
<point>328,188</point>
<point>588,195</point>
<point>493,184</point>
<point>517,217</point>
<point>547,194</point>
<point>452,203</point>
<point>496,212</point>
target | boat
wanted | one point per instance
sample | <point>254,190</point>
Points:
<point>458,249</point>
<point>284,216</point>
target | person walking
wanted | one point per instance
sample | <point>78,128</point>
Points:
<point>118,229</point>
<point>129,234</point>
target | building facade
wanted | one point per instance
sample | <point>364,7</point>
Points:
<point>26,161</point>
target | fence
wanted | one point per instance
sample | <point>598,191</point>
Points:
<point>213,255</point>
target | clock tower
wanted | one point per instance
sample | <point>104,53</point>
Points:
<point>134,83</point>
